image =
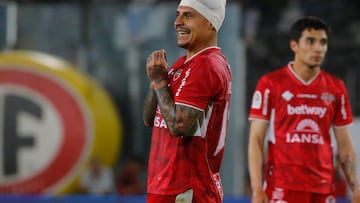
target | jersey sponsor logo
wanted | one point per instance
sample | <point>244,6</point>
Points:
<point>307,96</point>
<point>308,124</point>
<point>287,95</point>
<point>218,185</point>
<point>159,122</point>
<point>327,98</point>
<point>306,110</point>
<point>303,137</point>
<point>177,74</point>
<point>256,100</point>
<point>307,131</point>
<point>183,82</point>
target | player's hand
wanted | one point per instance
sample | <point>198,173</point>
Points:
<point>259,196</point>
<point>356,196</point>
<point>156,66</point>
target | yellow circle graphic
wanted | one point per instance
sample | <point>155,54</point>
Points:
<point>100,138</point>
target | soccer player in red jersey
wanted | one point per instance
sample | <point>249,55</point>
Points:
<point>187,106</point>
<point>298,105</point>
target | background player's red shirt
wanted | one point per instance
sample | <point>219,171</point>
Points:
<point>176,164</point>
<point>300,154</point>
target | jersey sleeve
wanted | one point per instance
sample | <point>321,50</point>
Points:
<point>261,103</point>
<point>343,114</point>
<point>195,90</point>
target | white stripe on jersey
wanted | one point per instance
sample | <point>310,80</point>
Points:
<point>271,130</point>
<point>221,142</point>
<point>201,131</point>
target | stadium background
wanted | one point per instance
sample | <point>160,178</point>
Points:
<point>109,40</point>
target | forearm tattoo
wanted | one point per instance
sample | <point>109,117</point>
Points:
<point>348,166</point>
<point>180,120</point>
<point>149,108</point>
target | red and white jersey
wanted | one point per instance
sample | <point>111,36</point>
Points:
<point>176,164</point>
<point>301,115</point>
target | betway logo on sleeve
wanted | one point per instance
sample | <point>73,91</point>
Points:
<point>306,110</point>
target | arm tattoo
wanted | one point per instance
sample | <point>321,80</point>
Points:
<point>348,166</point>
<point>180,120</point>
<point>149,108</point>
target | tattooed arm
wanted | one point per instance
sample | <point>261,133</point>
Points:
<point>149,108</point>
<point>180,120</point>
<point>347,160</point>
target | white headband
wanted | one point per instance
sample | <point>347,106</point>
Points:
<point>212,10</point>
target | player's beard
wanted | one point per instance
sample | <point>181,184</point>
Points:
<point>184,45</point>
<point>315,64</point>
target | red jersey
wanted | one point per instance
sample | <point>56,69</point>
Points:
<point>176,164</point>
<point>301,114</point>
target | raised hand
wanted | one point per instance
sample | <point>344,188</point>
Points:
<point>156,66</point>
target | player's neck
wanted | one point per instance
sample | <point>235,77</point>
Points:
<point>304,71</point>
<point>191,51</point>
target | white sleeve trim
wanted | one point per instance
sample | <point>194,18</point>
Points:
<point>191,106</point>
<point>342,126</point>
<point>258,119</point>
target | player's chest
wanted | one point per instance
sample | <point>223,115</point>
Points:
<point>317,101</point>
<point>180,77</point>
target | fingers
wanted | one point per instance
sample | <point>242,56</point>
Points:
<point>159,54</point>
<point>156,65</point>
<point>149,59</point>
<point>157,58</point>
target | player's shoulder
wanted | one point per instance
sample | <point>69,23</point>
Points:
<point>210,59</point>
<point>329,77</point>
<point>276,75</point>
<point>210,53</point>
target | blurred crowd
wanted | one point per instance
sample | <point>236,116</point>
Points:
<point>99,179</point>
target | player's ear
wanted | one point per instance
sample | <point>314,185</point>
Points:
<point>293,45</point>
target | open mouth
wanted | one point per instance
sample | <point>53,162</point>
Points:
<point>183,32</point>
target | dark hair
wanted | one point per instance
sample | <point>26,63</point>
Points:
<point>306,23</point>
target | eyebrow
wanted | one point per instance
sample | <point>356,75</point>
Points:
<point>311,37</point>
<point>185,12</point>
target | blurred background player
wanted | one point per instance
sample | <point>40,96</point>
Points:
<point>301,103</point>
<point>130,177</point>
<point>97,179</point>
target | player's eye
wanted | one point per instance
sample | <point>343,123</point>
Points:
<point>323,42</point>
<point>188,15</point>
<point>310,40</point>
